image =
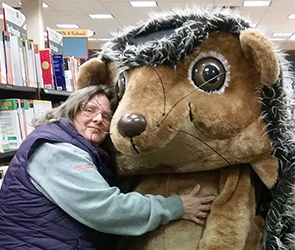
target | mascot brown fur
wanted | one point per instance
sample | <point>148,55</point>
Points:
<point>201,95</point>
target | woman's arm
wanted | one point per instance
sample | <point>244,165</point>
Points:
<point>66,175</point>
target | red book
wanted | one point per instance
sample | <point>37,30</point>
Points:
<point>47,70</point>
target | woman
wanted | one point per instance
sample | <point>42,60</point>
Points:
<point>58,192</point>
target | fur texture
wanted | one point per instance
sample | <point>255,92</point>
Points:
<point>229,131</point>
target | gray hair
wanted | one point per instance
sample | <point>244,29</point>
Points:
<point>71,106</point>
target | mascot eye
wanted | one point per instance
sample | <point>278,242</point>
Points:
<point>120,86</point>
<point>210,74</point>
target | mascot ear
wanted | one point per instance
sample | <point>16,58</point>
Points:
<point>95,72</point>
<point>260,49</point>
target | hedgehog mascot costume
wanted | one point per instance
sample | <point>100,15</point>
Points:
<point>202,99</point>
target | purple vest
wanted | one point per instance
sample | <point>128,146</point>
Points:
<point>28,220</point>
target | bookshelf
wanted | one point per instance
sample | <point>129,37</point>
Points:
<point>22,92</point>
<point>7,156</point>
<point>53,95</point>
<point>26,74</point>
<point>14,91</point>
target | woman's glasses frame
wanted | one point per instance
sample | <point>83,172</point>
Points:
<point>91,109</point>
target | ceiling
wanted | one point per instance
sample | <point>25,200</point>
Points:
<point>268,19</point>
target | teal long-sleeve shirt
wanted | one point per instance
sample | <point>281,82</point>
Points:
<point>66,175</point>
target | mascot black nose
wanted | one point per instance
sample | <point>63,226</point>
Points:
<point>131,125</point>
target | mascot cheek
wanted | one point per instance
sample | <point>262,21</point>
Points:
<point>224,125</point>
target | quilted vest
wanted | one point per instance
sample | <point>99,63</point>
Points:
<point>28,220</point>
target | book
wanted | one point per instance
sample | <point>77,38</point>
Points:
<point>30,116</point>
<point>4,145</point>
<point>2,60</point>
<point>68,74</point>
<point>25,62</point>
<point>14,30</point>
<point>31,63</point>
<point>18,61</point>
<point>38,66</point>
<point>26,116</point>
<point>59,75</point>
<point>74,69</point>
<point>14,21</point>
<point>40,107</point>
<point>47,70</point>
<point>10,122</point>
<point>54,41</point>
<point>3,170</point>
<point>8,58</point>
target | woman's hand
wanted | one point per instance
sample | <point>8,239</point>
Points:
<point>196,209</point>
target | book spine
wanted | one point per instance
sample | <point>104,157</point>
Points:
<point>2,60</point>
<point>47,70</point>
<point>8,58</point>
<point>59,72</point>
<point>38,66</point>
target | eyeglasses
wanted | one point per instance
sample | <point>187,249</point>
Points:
<point>91,110</point>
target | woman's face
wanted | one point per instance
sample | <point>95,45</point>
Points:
<point>93,119</point>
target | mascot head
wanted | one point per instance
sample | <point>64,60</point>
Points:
<point>199,90</point>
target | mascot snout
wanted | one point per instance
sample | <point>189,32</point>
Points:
<point>131,125</point>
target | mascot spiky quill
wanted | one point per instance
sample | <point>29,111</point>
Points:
<point>202,100</point>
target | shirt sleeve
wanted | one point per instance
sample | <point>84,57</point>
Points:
<point>66,175</point>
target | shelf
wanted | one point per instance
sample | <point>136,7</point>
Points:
<point>17,88</point>
<point>55,92</point>
<point>53,95</point>
<point>15,91</point>
<point>7,156</point>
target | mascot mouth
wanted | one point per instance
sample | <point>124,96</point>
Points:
<point>134,146</point>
